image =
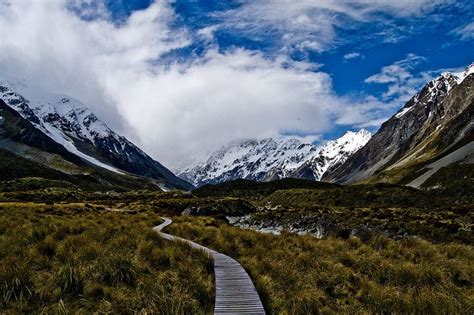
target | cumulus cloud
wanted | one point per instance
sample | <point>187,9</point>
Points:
<point>177,111</point>
<point>223,97</point>
<point>174,111</point>
<point>89,9</point>
<point>48,45</point>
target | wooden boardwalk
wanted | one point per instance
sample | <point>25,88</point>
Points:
<point>235,292</point>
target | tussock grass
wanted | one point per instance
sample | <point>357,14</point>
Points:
<point>81,258</point>
<point>76,259</point>
<point>303,275</point>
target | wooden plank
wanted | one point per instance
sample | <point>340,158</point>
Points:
<point>235,292</point>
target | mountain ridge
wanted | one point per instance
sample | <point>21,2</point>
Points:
<point>273,158</point>
<point>72,126</point>
<point>431,123</point>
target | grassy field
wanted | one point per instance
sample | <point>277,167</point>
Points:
<point>72,251</point>
<point>303,275</point>
<point>77,258</point>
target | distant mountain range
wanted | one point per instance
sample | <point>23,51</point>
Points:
<point>274,158</point>
<point>428,143</point>
<point>61,133</point>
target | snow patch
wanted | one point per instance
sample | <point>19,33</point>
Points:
<point>403,111</point>
<point>47,111</point>
<point>279,157</point>
<point>460,76</point>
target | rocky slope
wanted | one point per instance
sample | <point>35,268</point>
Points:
<point>274,158</point>
<point>433,130</point>
<point>62,125</point>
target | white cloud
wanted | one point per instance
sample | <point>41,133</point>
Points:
<point>220,98</point>
<point>207,33</point>
<point>363,112</point>
<point>89,9</point>
<point>50,46</point>
<point>179,111</point>
<point>401,82</point>
<point>398,8</point>
<point>173,111</point>
<point>312,24</point>
<point>465,32</point>
<point>352,55</point>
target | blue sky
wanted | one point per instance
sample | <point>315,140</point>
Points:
<point>182,78</point>
<point>359,53</point>
<point>430,35</point>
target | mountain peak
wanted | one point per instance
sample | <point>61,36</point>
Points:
<point>72,126</point>
<point>460,76</point>
<point>439,116</point>
<point>434,91</point>
<point>55,110</point>
<point>274,158</point>
<point>360,133</point>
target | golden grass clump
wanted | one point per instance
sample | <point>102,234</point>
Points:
<point>75,259</point>
<point>303,275</point>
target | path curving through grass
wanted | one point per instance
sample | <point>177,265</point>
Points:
<point>235,292</point>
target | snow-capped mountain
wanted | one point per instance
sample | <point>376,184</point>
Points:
<point>332,154</point>
<point>274,158</point>
<point>70,124</point>
<point>433,130</point>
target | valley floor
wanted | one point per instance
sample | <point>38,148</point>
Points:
<point>79,258</point>
<point>303,275</point>
<point>69,256</point>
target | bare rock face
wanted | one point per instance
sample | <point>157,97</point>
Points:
<point>434,121</point>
